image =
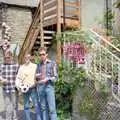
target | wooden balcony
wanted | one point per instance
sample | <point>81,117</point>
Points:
<point>69,12</point>
<point>50,15</point>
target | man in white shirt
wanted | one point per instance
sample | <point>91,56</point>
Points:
<point>26,76</point>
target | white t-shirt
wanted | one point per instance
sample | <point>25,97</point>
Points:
<point>26,74</point>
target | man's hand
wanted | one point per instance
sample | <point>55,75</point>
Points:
<point>43,81</point>
<point>4,81</point>
<point>37,75</point>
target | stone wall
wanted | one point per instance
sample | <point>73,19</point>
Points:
<point>19,19</point>
<point>92,12</point>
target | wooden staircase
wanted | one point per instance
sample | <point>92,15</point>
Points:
<point>50,17</point>
<point>32,34</point>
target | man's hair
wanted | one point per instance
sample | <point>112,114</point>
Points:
<point>43,49</point>
<point>8,54</point>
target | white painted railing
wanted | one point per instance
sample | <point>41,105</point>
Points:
<point>101,64</point>
<point>105,65</point>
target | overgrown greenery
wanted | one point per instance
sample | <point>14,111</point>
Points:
<point>69,80</point>
<point>72,78</point>
<point>78,35</point>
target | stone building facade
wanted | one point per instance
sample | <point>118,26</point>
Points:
<point>18,15</point>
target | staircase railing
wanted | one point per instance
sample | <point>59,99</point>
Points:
<point>101,64</point>
<point>32,34</point>
<point>105,65</point>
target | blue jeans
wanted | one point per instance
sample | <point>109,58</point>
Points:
<point>33,94</point>
<point>11,105</point>
<point>47,101</point>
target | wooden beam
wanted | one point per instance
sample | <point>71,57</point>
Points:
<point>75,4</point>
<point>50,13</point>
<point>72,12</point>
<point>50,5</point>
<point>47,43</point>
<point>50,9</point>
<point>50,22</point>
<point>71,22</point>
<point>49,2</point>
<point>58,57</point>
<point>41,25</point>
<point>34,38</point>
<point>46,37</point>
<point>30,39</point>
<point>79,15</point>
<point>29,35</point>
<point>49,32</point>
<point>72,4</point>
<point>58,17</point>
<point>50,17</point>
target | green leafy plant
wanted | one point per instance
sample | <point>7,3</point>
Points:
<point>65,88</point>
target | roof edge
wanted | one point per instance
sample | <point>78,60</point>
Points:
<point>19,5</point>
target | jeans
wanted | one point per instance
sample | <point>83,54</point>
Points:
<point>33,94</point>
<point>11,103</point>
<point>47,101</point>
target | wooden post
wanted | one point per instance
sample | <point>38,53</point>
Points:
<point>79,9</point>
<point>58,59</point>
<point>41,24</point>
<point>64,24</point>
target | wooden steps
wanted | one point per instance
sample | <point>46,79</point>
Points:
<point>50,13</point>
<point>48,35</point>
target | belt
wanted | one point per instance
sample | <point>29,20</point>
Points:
<point>47,83</point>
